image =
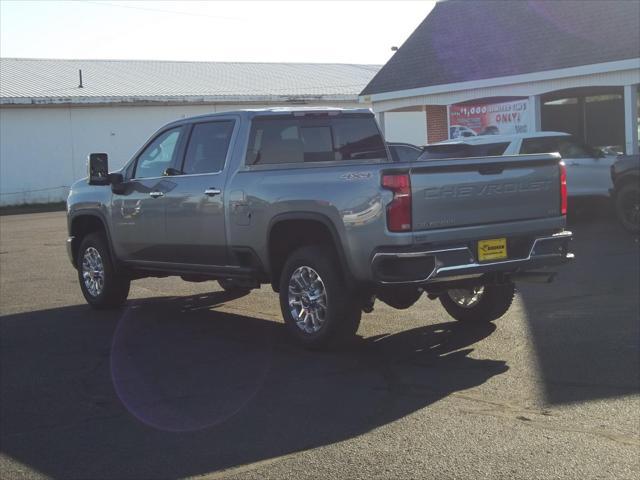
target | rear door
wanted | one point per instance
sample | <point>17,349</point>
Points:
<point>195,205</point>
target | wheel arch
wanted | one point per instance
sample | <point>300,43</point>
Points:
<point>314,223</point>
<point>83,224</point>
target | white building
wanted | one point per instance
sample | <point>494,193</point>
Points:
<point>488,67</point>
<point>51,119</point>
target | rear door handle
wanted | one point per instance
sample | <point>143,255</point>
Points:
<point>212,192</point>
<point>156,194</point>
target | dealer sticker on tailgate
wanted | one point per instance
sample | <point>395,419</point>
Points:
<point>493,249</point>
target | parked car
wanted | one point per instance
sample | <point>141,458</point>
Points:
<point>457,131</point>
<point>625,174</point>
<point>490,130</point>
<point>404,152</point>
<point>588,170</point>
<point>310,202</point>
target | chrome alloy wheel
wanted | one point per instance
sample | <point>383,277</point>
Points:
<point>93,271</point>
<point>307,299</point>
<point>466,297</point>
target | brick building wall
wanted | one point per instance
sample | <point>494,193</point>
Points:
<point>437,125</point>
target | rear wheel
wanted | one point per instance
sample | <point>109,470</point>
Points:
<point>317,306</point>
<point>483,303</point>
<point>628,207</point>
<point>101,286</point>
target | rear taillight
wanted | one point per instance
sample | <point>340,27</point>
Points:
<point>399,209</point>
<point>563,189</point>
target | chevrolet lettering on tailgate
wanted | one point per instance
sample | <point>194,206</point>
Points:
<point>488,189</point>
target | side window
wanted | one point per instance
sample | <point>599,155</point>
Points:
<point>318,144</point>
<point>208,147</point>
<point>451,150</point>
<point>402,153</point>
<point>570,149</point>
<point>159,154</point>
<point>274,140</point>
<point>539,145</point>
<point>565,145</point>
<point>357,139</point>
<point>297,140</point>
<point>488,150</point>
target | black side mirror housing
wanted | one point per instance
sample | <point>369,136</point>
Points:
<point>118,185</point>
<point>98,169</point>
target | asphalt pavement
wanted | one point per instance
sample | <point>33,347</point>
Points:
<point>189,381</point>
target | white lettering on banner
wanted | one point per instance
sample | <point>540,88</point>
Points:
<point>485,118</point>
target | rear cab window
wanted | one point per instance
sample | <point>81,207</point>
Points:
<point>463,150</point>
<point>314,138</point>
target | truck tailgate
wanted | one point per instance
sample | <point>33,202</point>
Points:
<point>471,191</point>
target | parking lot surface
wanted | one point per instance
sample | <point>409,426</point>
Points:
<point>188,381</point>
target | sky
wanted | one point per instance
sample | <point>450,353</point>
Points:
<point>242,31</point>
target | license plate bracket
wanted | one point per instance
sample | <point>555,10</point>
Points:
<point>492,249</point>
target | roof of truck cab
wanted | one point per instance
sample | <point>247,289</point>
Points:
<point>484,139</point>
<point>259,112</point>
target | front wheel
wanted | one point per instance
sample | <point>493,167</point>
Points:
<point>317,306</point>
<point>101,286</point>
<point>483,303</point>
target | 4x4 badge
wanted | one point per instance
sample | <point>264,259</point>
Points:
<point>356,176</point>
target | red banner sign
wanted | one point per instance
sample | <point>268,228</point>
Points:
<point>470,119</point>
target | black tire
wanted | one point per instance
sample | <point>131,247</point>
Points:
<point>342,313</point>
<point>628,207</point>
<point>115,288</point>
<point>494,303</point>
<point>231,286</point>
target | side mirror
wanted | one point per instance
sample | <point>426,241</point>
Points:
<point>117,182</point>
<point>98,169</point>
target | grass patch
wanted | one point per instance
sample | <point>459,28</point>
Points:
<point>33,208</point>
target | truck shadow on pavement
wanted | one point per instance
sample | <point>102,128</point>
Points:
<point>585,326</point>
<point>171,387</point>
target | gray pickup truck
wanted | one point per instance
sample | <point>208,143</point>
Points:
<point>312,202</point>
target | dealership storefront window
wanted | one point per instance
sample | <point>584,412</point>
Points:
<point>498,117</point>
<point>593,115</point>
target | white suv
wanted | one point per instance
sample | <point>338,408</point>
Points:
<point>588,170</point>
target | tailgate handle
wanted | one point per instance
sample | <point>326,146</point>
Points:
<point>491,170</point>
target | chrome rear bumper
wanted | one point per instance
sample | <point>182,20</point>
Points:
<point>415,267</point>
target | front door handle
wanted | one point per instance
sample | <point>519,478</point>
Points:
<point>212,192</point>
<point>156,194</point>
